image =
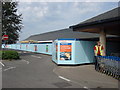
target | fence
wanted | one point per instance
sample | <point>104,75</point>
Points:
<point>45,48</point>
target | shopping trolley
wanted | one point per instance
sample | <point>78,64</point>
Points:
<point>109,65</point>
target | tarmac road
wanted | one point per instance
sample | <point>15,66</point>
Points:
<point>38,71</point>
<point>33,71</point>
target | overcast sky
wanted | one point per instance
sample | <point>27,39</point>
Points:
<point>41,17</point>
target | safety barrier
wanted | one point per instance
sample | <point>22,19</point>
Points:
<point>109,65</point>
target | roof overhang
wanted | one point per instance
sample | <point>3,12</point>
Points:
<point>111,26</point>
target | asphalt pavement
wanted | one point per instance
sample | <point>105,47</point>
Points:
<point>38,71</point>
<point>33,71</point>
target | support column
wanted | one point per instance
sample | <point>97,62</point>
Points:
<point>102,39</point>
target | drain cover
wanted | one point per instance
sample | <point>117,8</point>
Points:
<point>62,84</point>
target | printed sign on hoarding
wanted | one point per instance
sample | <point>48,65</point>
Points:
<point>35,48</point>
<point>20,46</point>
<point>7,46</point>
<point>26,46</point>
<point>65,51</point>
<point>46,48</point>
<point>56,50</point>
<point>16,46</point>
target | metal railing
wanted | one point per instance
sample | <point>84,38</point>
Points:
<point>109,65</point>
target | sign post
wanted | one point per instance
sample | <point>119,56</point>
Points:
<point>5,38</point>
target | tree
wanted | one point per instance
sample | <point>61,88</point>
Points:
<point>11,21</point>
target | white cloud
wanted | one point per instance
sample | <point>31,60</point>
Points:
<point>39,17</point>
<point>67,0</point>
<point>33,13</point>
<point>87,7</point>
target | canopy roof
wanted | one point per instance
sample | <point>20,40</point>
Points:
<point>109,21</point>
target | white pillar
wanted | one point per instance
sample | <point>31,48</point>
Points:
<point>102,39</point>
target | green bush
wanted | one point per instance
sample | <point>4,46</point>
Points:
<point>9,55</point>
